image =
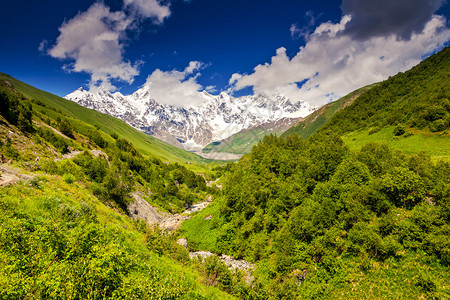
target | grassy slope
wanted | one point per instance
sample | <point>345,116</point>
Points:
<point>407,99</point>
<point>50,204</point>
<point>317,119</point>
<point>437,146</point>
<point>202,233</point>
<point>145,143</point>
<point>239,143</point>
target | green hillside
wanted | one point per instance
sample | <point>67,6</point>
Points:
<point>146,144</point>
<point>320,117</point>
<point>323,222</point>
<point>241,142</point>
<point>57,241</point>
<point>409,111</point>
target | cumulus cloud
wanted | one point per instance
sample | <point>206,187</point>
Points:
<point>178,88</point>
<point>386,17</point>
<point>334,63</point>
<point>149,9</point>
<point>94,41</point>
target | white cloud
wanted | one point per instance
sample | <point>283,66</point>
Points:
<point>149,9</point>
<point>211,89</point>
<point>178,88</point>
<point>305,31</point>
<point>332,64</point>
<point>43,46</point>
<point>234,78</point>
<point>94,41</point>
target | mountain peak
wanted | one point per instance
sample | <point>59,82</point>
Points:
<point>216,118</point>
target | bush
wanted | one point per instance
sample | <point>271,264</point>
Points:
<point>438,125</point>
<point>15,108</point>
<point>65,128</point>
<point>97,138</point>
<point>403,187</point>
<point>69,178</point>
<point>60,143</point>
<point>399,130</point>
<point>373,130</point>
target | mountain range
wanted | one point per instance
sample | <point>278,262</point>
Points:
<point>192,128</point>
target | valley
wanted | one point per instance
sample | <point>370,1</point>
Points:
<point>349,202</point>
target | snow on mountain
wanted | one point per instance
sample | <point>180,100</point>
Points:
<point>192,128</point>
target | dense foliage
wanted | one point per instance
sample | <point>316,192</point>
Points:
<point>121,169</point>
<point>15,108</point>
<point>313,211</point>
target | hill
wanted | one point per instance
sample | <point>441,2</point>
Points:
<point>243,141</point>
<point>409,111</point>
<point>84,118</point>
<point>313,122</point>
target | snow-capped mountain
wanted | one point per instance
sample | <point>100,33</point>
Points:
<point>192,128</point>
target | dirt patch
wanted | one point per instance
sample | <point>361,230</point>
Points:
<point>8,179</point>
<point>11,176</point>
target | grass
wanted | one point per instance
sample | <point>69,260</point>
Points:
<point>147,145</point>
<point>202,233</point>
<point>437,146</point>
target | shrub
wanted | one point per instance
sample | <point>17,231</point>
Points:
<point>399,130</point>
<point>403,187</point>
<point>438,125</point>
<point>97,138</point>
<point>69,178</point>
<point>65,128</point>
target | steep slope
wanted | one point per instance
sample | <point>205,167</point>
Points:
<point>243,141</point>
<point>192,128</point>
<point>321,116</point>
<point>148,145</point>
<point>409,111</point>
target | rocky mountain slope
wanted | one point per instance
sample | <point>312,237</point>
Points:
<point>192,128</point>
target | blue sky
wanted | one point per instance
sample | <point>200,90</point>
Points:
<point>308,50</point>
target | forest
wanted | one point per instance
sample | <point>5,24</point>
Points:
<point>315,215</point>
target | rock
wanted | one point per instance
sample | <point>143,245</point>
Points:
<point>299,276</point>
<point>200,255</point>
<point>183,242</point>
<point>140,209</point>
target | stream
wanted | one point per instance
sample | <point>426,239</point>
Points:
<point>140,209</point>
